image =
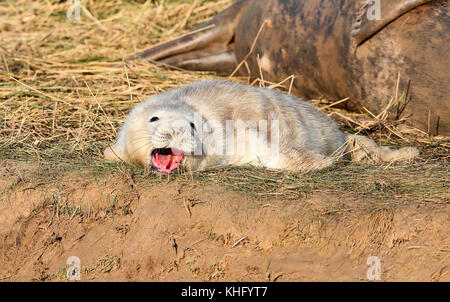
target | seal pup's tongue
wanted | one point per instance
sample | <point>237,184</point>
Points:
<point>167,160</point>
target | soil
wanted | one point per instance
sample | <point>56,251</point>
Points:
<point>189,231</point>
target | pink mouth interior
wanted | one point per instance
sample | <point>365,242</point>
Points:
<point>166,161</point>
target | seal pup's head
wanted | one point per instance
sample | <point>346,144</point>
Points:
<point>160,133</point>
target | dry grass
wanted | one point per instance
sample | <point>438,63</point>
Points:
<point>65,90</point>
<point>61,91</point>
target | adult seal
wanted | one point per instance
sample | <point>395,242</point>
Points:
<point>366,51</point>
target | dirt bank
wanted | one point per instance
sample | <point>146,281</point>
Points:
<point>174,230</point>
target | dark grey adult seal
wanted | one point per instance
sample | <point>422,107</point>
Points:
<point>336,49</point>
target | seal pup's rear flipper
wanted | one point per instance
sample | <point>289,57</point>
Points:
<point>207,47</point>
<point>374,15</point>
<point>363,148</point>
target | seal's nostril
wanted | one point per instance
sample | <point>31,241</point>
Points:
<point>154,119</point>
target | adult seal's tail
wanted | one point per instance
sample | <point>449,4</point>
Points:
<point>336,49</point>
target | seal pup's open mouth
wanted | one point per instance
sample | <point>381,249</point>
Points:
<point>167,160</point>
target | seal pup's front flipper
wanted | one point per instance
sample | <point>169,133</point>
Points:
<point>374,15</point>
<point>208,47</point>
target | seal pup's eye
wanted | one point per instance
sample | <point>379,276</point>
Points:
<point>154,119</point>
<point>192,126</point>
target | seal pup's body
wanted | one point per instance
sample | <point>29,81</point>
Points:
<point>214,123</point>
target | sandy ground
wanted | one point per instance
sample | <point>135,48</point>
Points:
<point>174,231</point>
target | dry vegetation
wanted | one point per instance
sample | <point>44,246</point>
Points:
<point>61,90</point>
<point>64,91</point>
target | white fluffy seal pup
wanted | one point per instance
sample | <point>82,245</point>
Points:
<point>213,123</point>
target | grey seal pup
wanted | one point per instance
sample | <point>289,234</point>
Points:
<point>214,123</point>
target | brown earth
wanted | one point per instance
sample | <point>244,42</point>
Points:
<point>123,229</point>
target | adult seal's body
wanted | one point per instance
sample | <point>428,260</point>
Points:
<point>215,123</point>
<point>336,49</point>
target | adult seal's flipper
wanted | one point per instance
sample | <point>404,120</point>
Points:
<point>374,15</point>
<point>207,47</point>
